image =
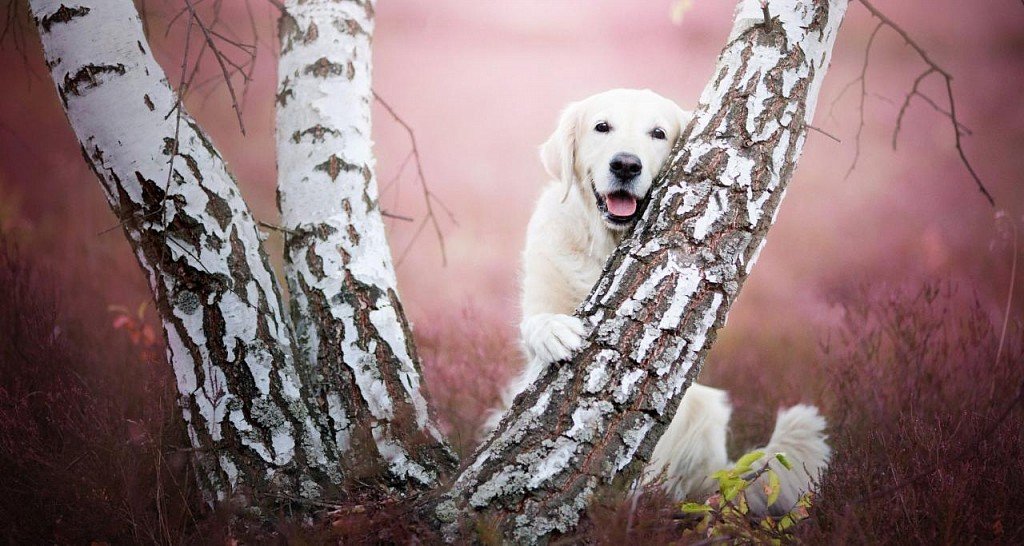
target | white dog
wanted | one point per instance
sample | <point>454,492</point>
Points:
<point>603,157</point>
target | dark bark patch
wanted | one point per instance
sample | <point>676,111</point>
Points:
<point>87,77</point>
<point>335,165</point>
<point>62,15</point>
<point>323,68</point>
<point>316,132</point>
<point>286,93</point>
<point>170,146</point>
<point>218,208</point>
<point>202,138</point>
<point>288,30</point>
<point>188,229</point>
<point>351,27</point>
<point>312,33</point>
<point>153,195</point>
<point>149,102</point>
<point>193,166</point>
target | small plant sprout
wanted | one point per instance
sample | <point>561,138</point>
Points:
<point>727,516</point>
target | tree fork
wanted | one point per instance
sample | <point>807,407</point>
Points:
<point>593,421</point>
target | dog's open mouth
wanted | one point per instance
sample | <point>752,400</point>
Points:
<point>619,207</point>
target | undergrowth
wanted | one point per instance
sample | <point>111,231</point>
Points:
<point>925,424</point>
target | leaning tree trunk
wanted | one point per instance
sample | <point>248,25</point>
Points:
<point>227,338</point>
<point>594,420</point>
<point>349,322</point>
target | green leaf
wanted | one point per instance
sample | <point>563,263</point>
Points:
<point>773,488</point>
<point>743,465</point>
<point>781,457</point>
<point>732,486</point>
<point>694,508</point>
<point>722,475</point>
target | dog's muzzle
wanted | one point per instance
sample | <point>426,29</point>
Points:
<point>619,208</point>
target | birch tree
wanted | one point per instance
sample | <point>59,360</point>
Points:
<point>240,386</point>
<point>288,405</point>
<point>349,323</point>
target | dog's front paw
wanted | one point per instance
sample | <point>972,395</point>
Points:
<point>550,337</point>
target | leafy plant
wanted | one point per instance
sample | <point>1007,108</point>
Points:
<point>726,515</point>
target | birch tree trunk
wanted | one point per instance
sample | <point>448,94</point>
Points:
<point>227,338</point>
<point>594,421</point>
<point>350,326</point>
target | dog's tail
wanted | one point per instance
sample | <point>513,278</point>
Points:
<point>800,435</point>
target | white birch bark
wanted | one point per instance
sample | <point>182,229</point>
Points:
<point>227,337</point>
<point>594,421</point>
<point>349,322</point>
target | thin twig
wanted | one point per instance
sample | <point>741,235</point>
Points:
<point>16,25</point>
<point>906,104</point>
<point>824,132</point>
<point>863,95</point>
<point>387,214</point>
<point>277,228</point>
<point>394,179</point>
<point>1009,292</point>
<point>847,87</point>
<point>429,199</point>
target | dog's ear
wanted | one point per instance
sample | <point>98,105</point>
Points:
<point>558,153</point>
<point>684,117</point>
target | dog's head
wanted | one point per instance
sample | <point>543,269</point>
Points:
<point>611,146</point>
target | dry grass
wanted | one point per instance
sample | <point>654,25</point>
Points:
<point>91,443</point>
<point>926,424</point>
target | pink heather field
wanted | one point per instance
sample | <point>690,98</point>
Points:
<point>890,295</point>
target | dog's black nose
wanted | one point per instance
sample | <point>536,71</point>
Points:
<point>625,166</point>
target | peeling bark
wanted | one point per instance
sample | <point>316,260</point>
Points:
<point>594,421</point>
<point>227,336</point>
<point>350,327</point>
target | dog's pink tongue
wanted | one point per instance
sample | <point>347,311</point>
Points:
<point>621,204</point>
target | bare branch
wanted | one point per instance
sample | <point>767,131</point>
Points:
<point>933,67</point>
<point>222,60</point>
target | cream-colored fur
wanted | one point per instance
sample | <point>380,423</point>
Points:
<point>569,239</point>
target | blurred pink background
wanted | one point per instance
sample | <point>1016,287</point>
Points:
<point>481,83</point>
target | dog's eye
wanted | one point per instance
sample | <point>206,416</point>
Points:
<point>602,127</point>
<point>658,133</point>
